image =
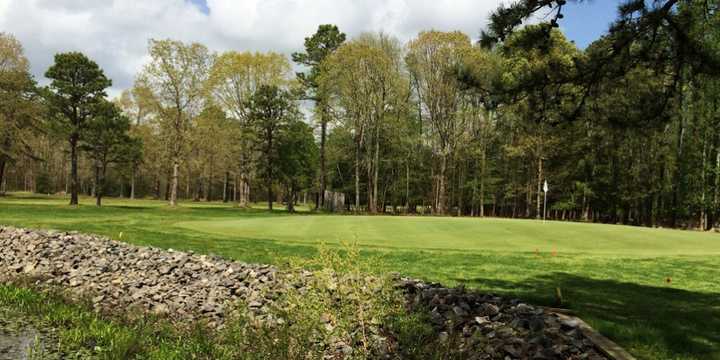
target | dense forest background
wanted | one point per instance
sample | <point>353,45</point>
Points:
<point>625,131</point>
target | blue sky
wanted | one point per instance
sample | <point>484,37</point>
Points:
<point>115,33</point>
<point>201,4</point>
<point>587,21</point>
<point>584,22</point>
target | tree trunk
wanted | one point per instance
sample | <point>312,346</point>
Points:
<point>74,188</point>
<point>174,183</point>
<point>242,185</point>
<point>100,170</point>
<point>225,186</point>
<point>678,180</point>
<point>269,174</point>
<point>132,182</point>
<point>370,203</point>
<point>168,184</point>
<point>460,178</point>
<point>244,192</point>
<point>482,182</point>
<point>157,186</point>
<point>441,198</point>
<point>65,174</point>
<point>716,200</point>
<point>473,196</point>
<point>198,194</point>
<point>703,188</point>
<point>528,199</point>
<point>323,171</point>
<point>407,186</point>
<point>434,185</point>
<point>188,184</point>
<point>101,189</point>
<point>357,177</point>
<point>96,186</point>
<point>494,205</point>
<point>376,170</point>
<point>2,175</point>
<point>242,196</point>
<point>208,193</point>
<point>451,184</point>
<point>239,175</point>
<point>539,187</point>
<point>291,199</point>
<point>234,189</point>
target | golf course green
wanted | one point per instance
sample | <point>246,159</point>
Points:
<point>465,234</point>
<point>654,291</point>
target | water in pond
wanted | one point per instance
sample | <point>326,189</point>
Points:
<point>21,339</point>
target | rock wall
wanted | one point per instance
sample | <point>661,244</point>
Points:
<point>116,275</point>
<point>186,286</point>
<point>497,327</point>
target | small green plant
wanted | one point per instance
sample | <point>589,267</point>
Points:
<point>36,350</point>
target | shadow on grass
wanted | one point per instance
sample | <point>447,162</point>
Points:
<point>130,207</point>
<point>676,323</point>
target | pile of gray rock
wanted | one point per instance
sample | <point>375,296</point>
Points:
<point>492,327</point>
<point>116,275</point>
<point>186,286</point>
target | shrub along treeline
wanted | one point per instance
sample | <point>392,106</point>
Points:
<point>627,130</point>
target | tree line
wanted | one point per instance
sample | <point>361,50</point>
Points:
<point>625,131</point>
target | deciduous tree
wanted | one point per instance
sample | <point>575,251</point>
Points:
<point>433,59</point>
<point>362,79</point>
<point>177,75</point>
<point>235,77</point>
<point>18,103</point>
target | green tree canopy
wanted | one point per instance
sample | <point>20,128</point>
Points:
<point>106,140</point>
<point>271,108</point>
<point>317,47</point>
<point>18,108</point>
<point>75,95</point>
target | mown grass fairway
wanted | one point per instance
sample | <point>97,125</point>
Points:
<point>465,234</point>
<point>654,291</point>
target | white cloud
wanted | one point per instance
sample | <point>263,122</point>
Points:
<point>115,32</point>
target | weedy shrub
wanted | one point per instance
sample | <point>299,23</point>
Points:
<point>339,311</point>
<point>335,310</point>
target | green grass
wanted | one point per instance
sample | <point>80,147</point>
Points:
<point>614,277</point>
<point>465,234</point>
<point>83,334</point>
